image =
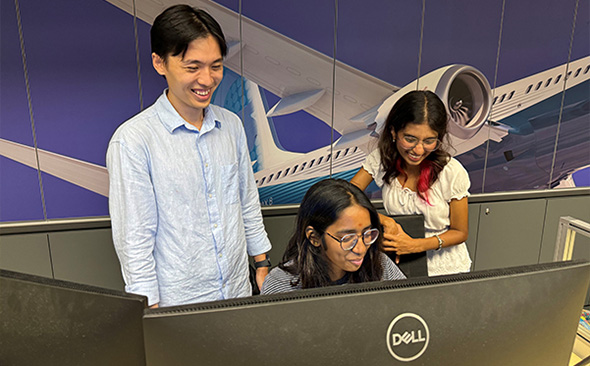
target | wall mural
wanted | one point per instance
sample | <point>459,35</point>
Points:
<point>519,111</point>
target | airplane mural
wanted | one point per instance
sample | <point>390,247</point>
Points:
<point>513,125</point>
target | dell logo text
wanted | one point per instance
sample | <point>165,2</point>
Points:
<point>407,337</point>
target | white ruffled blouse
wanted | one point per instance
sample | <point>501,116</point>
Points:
<point>452,183</point>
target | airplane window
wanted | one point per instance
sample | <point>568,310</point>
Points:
<point>328,158</point>
<point>577,72</point>
<point>256,181</point>
<point>279,174</point>
<point>287,171</point>
<point>529,89</point>
<point>295,168</point>
<point>586,69</point>
<point>270,178</point>
<point>321,158</point>
<point>311,164</point>
<point>346,151</point>
<point>548,82</point>
<point>538,85</point>
<point>303,166</point>
<point>355,149</point>
<point>337,155</point>
<point>495,100</point>
<point>568,75</point>
<point>502,98</point>
<point>262,181</point>
<point>511,95</point>
<point>557,78</point>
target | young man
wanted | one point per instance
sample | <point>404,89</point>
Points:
<point>183,201</point>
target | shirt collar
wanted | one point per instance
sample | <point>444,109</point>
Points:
<point>172,120</point>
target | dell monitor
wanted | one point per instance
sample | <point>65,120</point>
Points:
<point>517,316</point>
<point>51,322</point>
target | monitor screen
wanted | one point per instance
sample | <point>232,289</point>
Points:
<point>51,322</point>
<point>517,316</point>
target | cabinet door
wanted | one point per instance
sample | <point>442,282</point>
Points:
<point>25,253</point>
<point>509,233</point>
<point>279,230</point>
<point>86,256</point>
<point>471,242</point>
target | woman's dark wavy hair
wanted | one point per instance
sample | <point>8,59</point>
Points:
<point>321,207</point>
<point>416,107</point>
<point>179,25</point>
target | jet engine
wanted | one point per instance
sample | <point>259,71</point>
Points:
<point>463,89</point>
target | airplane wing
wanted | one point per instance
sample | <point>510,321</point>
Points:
<point>301,76</point>
<point>90,176</point>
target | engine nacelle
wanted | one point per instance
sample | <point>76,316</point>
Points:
<point>463,89</point>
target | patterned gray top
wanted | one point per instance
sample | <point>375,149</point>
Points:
<point>279,280</point>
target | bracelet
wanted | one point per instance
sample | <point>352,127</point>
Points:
<point>440,242</point>
<point>263,263</point>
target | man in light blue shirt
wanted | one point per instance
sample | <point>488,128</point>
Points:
<point>183,201</point>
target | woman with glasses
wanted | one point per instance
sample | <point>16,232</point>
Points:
<point>418,176</point>
<point>337,240</point>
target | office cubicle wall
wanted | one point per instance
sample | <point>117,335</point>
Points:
<point>505,229</point>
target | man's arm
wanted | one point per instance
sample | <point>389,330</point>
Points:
<point>262,263</point>
<point>133,214</point>
<point>256,237</point>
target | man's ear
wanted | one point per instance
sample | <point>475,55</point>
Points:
<point>312,236</point>
<point>159,64</point>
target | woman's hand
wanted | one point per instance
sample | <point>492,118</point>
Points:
<point>390,228</point>
<point>401,243</point>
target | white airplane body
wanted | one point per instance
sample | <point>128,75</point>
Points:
<point>302,78</point>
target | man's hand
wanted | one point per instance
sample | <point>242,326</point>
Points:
<point>261,275</point>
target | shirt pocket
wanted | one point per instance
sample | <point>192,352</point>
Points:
<point>230,183</point>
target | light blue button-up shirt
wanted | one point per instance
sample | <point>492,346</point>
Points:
<point>184,206</point>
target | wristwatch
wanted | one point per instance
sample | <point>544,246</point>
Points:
<point>440,242</point>
<point>263,263</point>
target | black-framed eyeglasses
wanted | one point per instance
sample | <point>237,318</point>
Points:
<point>349,241</point>
<point>429,144</point>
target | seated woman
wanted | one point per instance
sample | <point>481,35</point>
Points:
<point>336,241</point>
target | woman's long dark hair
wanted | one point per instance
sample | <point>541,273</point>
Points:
<point>416,107</point>
<point>321,207</point>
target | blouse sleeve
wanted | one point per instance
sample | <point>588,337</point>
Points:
<point>372,165</point>
<point>458,181</point>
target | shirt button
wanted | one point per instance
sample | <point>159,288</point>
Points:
<point>210,195</point>
<point>223,285</point>
<point>220,255</point>
<point>214,225</point>
<point>206,165</point>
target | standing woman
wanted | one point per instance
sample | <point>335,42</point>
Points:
<point>418,176</point>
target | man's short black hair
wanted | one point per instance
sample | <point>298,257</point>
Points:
<point>179,25</point>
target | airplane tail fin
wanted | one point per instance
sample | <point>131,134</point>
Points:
<point>263,144</point>
<point>267,148</point>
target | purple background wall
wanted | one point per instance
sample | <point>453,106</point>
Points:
<point>83,74</point>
